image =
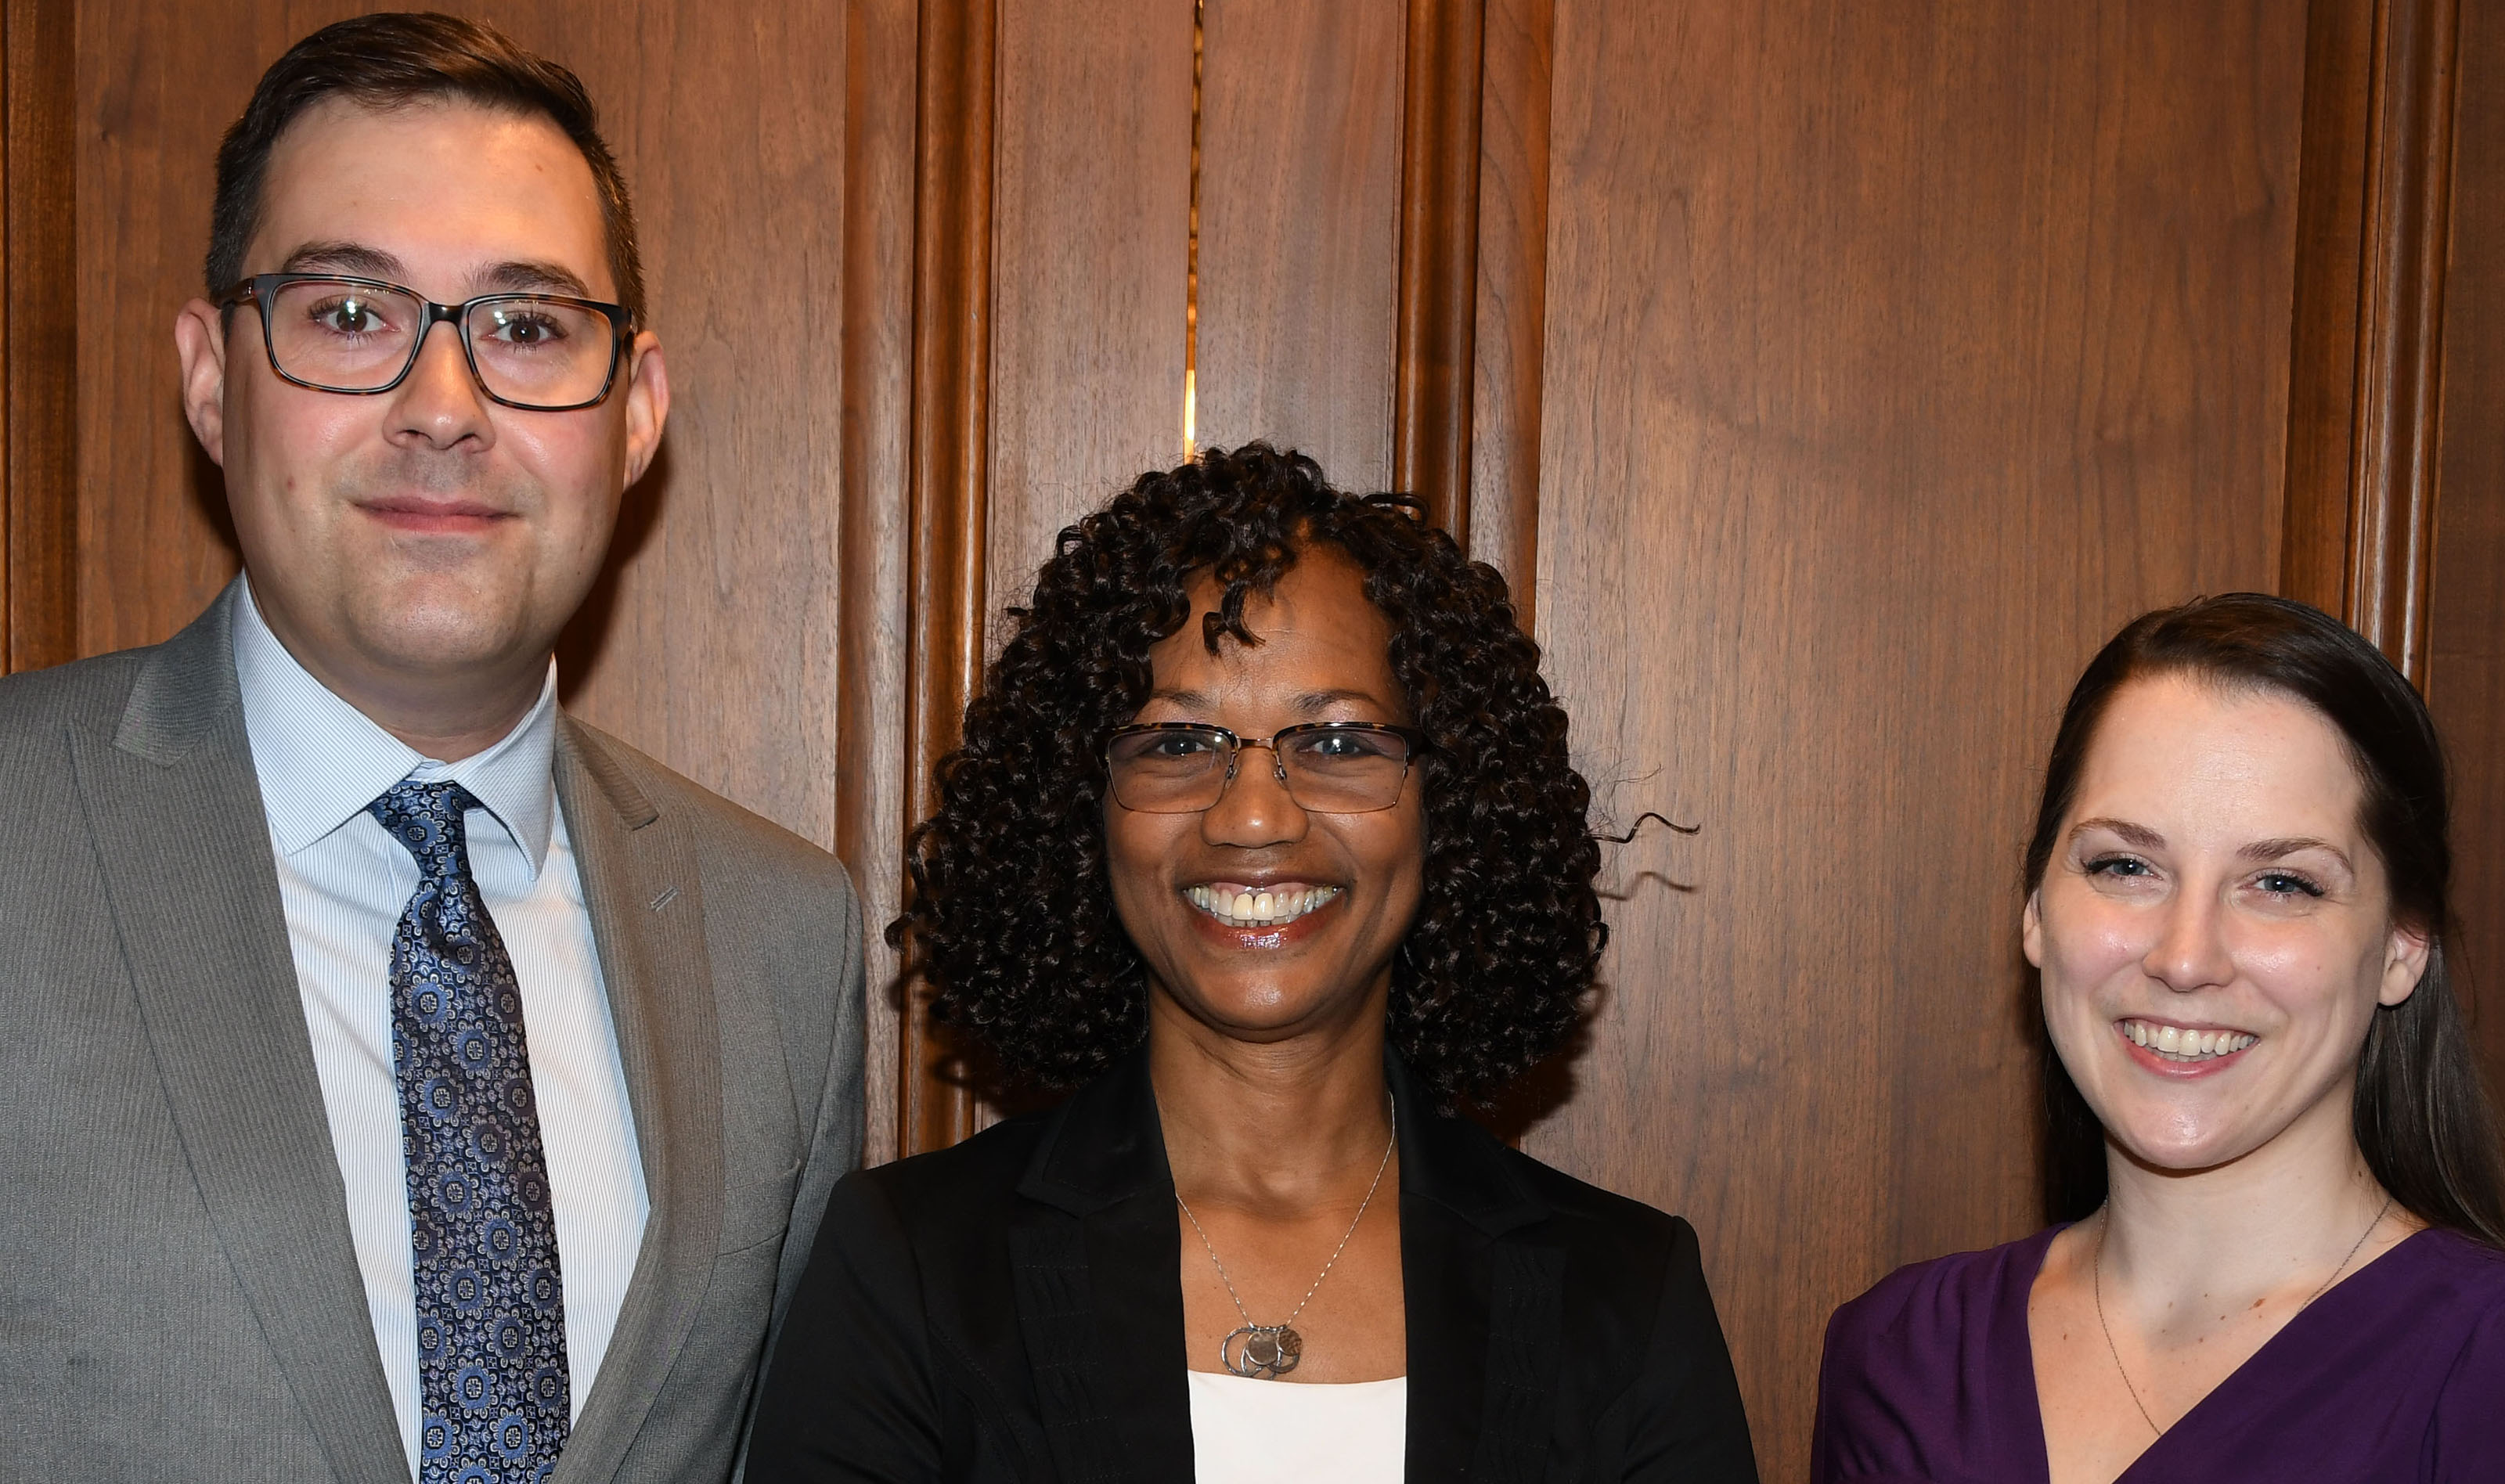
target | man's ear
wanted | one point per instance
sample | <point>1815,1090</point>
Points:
<point>648,403</point>
<point>200,342</point>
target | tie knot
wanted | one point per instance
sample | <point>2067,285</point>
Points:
<point>426,818</point>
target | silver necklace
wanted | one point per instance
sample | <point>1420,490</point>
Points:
<point>1267,1352</point>
<point>2097,1281</point>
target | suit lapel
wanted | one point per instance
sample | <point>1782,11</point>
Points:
<point>642,887</point>
<point>179,828</point>
<point>1485,1302</point>
<point>1094,1256</point>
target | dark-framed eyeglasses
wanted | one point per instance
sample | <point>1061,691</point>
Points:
<point>360,336</point>
<point>1330,768</point>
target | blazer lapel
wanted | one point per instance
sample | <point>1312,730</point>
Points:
<point>643,892</point>
<point>184,844</point>
<point>1484,1303</point>
<point>1094,1257</point>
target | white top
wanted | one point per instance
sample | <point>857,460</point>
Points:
<point>1247,1431</point>
<point>344,883</point>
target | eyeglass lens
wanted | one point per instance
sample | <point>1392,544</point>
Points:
<point>1348,770</point>
<point>538,352</point>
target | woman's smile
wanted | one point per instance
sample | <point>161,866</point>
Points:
<point>1243,904</point>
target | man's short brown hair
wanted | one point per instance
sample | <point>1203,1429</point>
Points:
<point>392,61</point>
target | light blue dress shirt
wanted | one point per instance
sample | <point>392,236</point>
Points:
<point>344,883</point>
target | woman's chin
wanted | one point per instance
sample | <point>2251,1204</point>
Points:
<point>1261,1010</point>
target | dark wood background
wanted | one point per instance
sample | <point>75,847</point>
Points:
<point>1830,380</point>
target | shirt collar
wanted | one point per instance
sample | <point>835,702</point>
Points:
<point>321,760</point>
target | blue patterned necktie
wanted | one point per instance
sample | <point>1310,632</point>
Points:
<point>490,1303</point>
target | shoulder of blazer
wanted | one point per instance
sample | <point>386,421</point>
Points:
<point>640,788</point>
<point>155,700</point>
<point>90,692</point>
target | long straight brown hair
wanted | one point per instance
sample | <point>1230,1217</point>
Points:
<point>2421,1113</point>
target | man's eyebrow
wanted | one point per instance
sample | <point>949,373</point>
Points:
<point>526,277</point>
<point>2281,849</point>
<point>352,258</point>
<point>2137,837</point>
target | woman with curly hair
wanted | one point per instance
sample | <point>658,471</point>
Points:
<point>1262,837</point>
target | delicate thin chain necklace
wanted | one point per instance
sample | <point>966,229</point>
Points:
<point>2097,1281</point>
<point>1267,1352</point>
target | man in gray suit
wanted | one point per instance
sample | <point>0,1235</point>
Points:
<point>398,1077</point>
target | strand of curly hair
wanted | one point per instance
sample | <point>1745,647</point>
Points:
<point>1011,916</point>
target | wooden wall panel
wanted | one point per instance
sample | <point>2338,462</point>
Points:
<point>873,787</point>
<point>1896,355</point>
<point>2466,670</point>
<point>1094,171</point>
<point>39,335</point>
<point>1509,336</point>
<point>1299,230</point>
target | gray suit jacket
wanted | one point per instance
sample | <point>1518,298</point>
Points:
<point>179,1297</point>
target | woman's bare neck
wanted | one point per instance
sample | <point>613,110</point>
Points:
<point>1269,1126</point>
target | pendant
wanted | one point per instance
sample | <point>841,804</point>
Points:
<point>1261,1352</point>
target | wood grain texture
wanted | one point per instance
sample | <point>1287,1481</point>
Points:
<point>2401,333</point>
<point>2369,314</point>
<point>1300,230</point>
<point>951,415</point>
<point>1507,340</point>
<point>2466,662</point>
<point>39,335</point>
<point>872,803</point>
<point>1896,356</point>
<point>1433,363</point>
<point>2331,219</point>
<point>1092,235</point>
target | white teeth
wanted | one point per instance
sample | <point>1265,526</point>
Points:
<point>1258,909</point>
<point>2175,1044</point>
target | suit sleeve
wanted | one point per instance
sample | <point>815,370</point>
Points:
<point>849,1394</point>
<point>1690,1426</point>
<point>835,1134</point>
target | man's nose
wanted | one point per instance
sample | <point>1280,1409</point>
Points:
<point>440,403</point>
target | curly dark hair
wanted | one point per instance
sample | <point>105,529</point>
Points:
<point>1493,974</point>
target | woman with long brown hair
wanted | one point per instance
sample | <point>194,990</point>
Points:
<point>2277,1172</point>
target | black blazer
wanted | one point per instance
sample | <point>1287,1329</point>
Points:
<point>1009,1309</point>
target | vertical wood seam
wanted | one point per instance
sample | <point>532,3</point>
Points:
<point>952,282</point>
<point>1433,360</point>
<point>1509,330</point>
<point>2392,491</point>
<point>2366,342</point>
<point>38,338</point>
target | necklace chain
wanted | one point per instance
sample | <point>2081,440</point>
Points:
<point>2097,1285</point>
<point>1386,1163</point>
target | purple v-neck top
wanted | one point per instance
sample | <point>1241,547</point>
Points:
<point>2397,1373</point>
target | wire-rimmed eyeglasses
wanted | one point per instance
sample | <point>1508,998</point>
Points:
<point>360,336</point>
<point>1330,768</point>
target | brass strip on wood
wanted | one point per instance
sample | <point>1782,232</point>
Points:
<point>2366,346</point>
<point>1432,359</point>
<point>952,291</point>
<point>38,338</point>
